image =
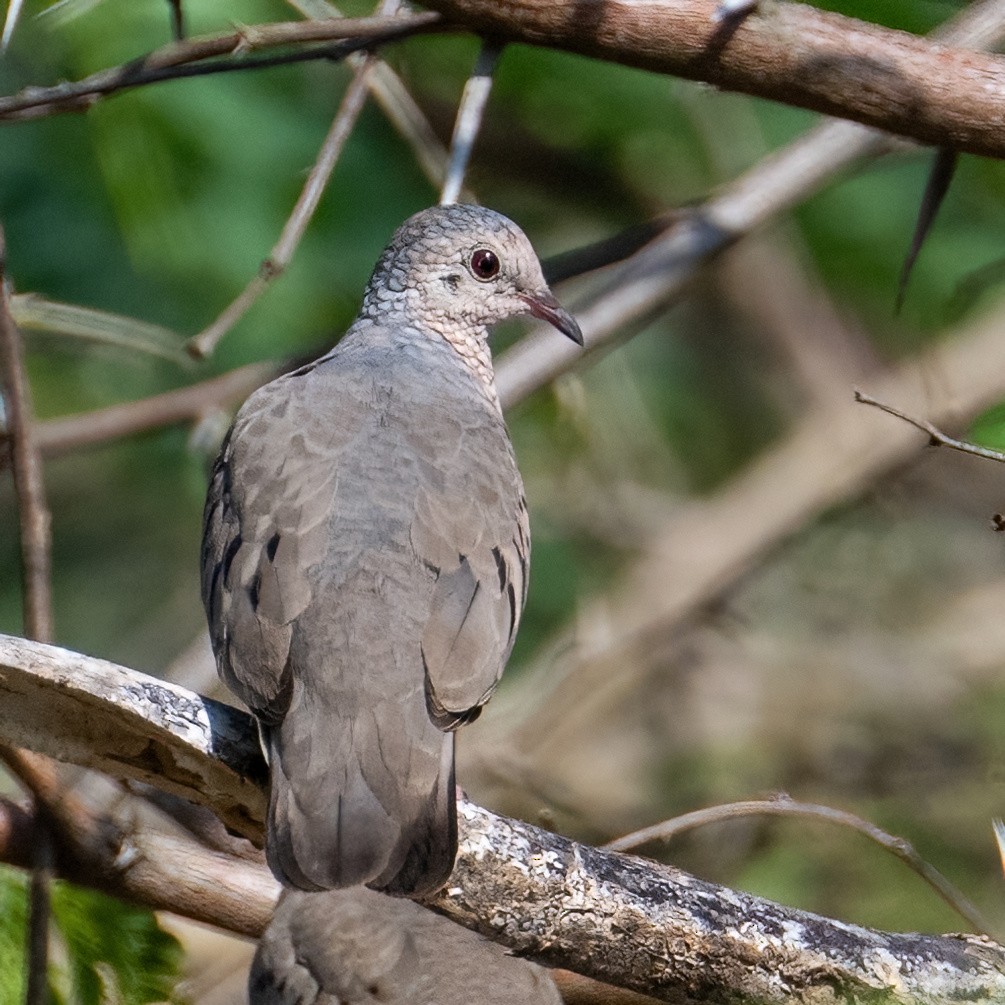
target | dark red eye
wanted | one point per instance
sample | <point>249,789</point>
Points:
<point>484,263</point>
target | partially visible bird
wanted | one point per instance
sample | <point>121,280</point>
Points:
<point>350,947</point>
<point>365,556</point>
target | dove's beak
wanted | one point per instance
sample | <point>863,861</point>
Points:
<point>543,305</point>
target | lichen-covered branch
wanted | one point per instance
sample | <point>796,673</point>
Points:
<point>788,52</point>
<point>661,931</point>
<point>612,917</point>
<point>103,716</point>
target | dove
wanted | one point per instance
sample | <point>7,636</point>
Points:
<point>355,947</point>
<point>365,557</point>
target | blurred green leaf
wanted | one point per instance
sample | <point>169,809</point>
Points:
<point>989,429</point>
<point>111,953</point>
<point>13,918</point>
<point>115,952</point>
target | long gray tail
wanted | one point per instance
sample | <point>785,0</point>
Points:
<point>355,803</point>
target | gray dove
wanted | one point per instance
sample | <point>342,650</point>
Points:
<point>355,947</point>
<point>365,555</point>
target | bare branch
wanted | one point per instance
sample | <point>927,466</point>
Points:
<point>470,113</point>
<point>831,456</point>
<point>160,871</point>
<point>72,432</point>
<point>113,720</point>
<point>273,266</point>
<point>784,806</point>
<point>789,52</point>
<point>187,59</point>
<point>935,436</point>
<point>614,918</point>
<point>657,275</point>
<point>398,105</point>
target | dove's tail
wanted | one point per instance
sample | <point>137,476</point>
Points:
<point>361,802</point>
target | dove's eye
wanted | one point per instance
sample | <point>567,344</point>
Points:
<point>484,264</point>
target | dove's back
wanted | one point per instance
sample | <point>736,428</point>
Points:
<point>364,566</point>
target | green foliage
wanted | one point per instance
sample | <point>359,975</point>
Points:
<point>104,951</point>
<point>13,919</point>
<point>989,429</point>
<point>115,953</point>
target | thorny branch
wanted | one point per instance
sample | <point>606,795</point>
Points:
<point>554,901</point>
<point>659,273</point>
<point>788,52</point>
<point>219,54</point>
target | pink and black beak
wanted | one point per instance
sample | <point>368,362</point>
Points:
<point>543,305</point>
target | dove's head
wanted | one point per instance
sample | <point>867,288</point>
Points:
<point>459,269</point>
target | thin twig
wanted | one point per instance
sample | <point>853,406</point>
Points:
<point>470,114</point>
<point>345,119</point>
<point>935,436</point>
<point>39,911</point>
<point>187,59</point>
<point>36,570</point>
<point>33,513</point>
<point>399,106</point>
<point>998,826</point>
<point>404,113</point>
<point>784,806</point>
<point>10,22</point>
<point>830,457</point>
<point>88,429</point>
<point>177,20</point>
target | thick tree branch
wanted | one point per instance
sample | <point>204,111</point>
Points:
<point>615,918</point>
<point>788,52</point>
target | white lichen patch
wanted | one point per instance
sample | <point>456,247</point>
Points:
<point>887,969</point>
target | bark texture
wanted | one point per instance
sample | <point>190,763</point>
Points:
<point>787,52</point>
<point>616,918</point>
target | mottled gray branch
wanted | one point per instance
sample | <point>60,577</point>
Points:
<point>99,715</point>
<point>612,917</point>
